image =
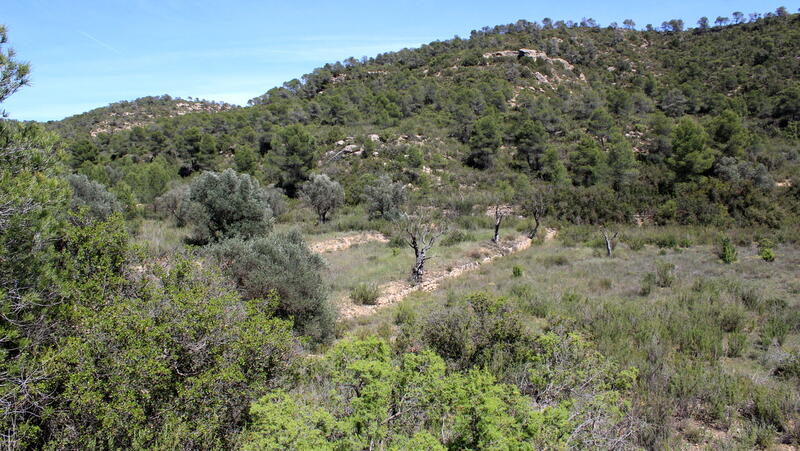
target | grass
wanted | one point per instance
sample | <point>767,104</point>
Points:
<point>730,322</point>
<point>161,238</point>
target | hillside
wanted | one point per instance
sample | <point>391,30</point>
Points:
<point>563,102</point>
<point>543,236</point>
<point>126,115</point>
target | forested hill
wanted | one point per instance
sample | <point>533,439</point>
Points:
<point>126,115</point>
<point>689,126</point>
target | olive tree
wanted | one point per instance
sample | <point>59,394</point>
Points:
<point>384,198</point>
<point>175,203</point>
<point>611,238</point>
<point>98,201</point>
<point>323,194</point>
<point>281,263</point>
<point>230,205</point>
<point>422,231</point>
<point>534,204</point>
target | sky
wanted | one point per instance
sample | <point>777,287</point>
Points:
<point>87,54</point>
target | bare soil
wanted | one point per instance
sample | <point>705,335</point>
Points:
<point>344,242</point>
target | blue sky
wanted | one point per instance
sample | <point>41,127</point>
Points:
<point>86,54</point>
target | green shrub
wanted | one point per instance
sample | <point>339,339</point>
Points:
<point>635,243</point>
<point>230,205</point>
<point>788,367</point>
<point>727,251</point>
<point>751,298</point>
<point>759,436</point>
<point>397,241</point>
<point>323,195</point>
<point>664,274</point>
<point>765,250</point>
<point>406,314</point>
<point>648,282</point>
<point>94,197</point>
<point>667,241</point>
<point>776,305</point>
<point>384,198</point>
<point>457,236</point>
<point>281,263</point>
<point>737,342</point>
<point>774,331</point>
<point>516,271</point>
<point>554,260</point>
<point>731,318</point>
<point>767,409</point>
<point>365,294</point>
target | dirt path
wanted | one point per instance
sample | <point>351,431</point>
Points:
<point>344,242</point>
<point>397,290</point>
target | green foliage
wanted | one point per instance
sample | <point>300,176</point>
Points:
<point>516,271</point>
<point>365,294</point>
<point>323,194</point>
<point>665,276</point>
<point>765,250</point>
<point>727,251</point>
<point>281,263</point>
<point>229,205</point>
<point>292,153</point>
<point>530,140</point>
<point>774,331</point>
<point>691,155</point>
<point>411,400</point>
<point>99,203</point>
<point>457,236</point>
<point>177,205</point>
<point>647,284</point>
<point>588,163</point>
<point>737,342</point>
<point>280,422</point>
<point>622,163</point>
<point>384,198</point>
<point>126,348</point>
<point>33,203</point>
<point>485,141</point>
<point>14,74</point>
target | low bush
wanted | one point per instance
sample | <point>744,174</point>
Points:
<point>230,205</point>
<point>737,342</point>
<point>635,243</point>
<point>647,284</point>
<point>554,260</point>
<point>365,294</point>
<point>282,264</point>
<point>727,251</point>
<point>667,241</point>
<point>457,236</point>
<point>665,276</point>
<point>765,250</point>
<point>731,318</point>
<point>767,409</point>
<point>750,297</point>
<point>99,203</point>
<point>774,331</point>
<point>516,271</point>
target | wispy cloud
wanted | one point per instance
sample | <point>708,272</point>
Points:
<point>97,41</point>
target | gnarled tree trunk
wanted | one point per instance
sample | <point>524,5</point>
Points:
<point>611,241</point>
<point>498,220</point>
<point>422,234</point>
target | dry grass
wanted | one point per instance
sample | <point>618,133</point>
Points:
<point>161,238</point>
